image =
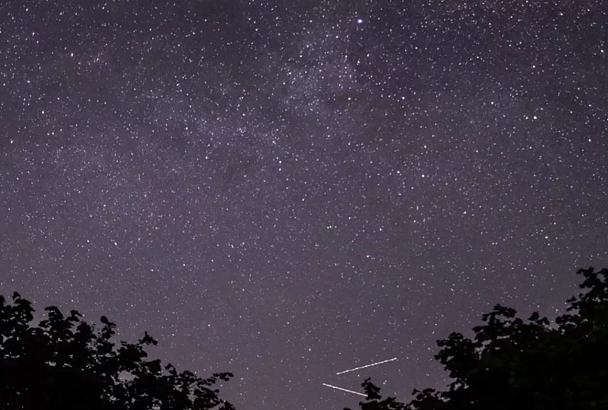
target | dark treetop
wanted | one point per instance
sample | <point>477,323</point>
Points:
<point>524,364</point>
<point>64,363</point>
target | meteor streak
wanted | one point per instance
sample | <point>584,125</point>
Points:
<point>346,390</point>
<point>367,365</point>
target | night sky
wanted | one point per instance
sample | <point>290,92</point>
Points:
<point>287,189</point>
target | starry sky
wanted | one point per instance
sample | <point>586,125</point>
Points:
<point>287,189</point>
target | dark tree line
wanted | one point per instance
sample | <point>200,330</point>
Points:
<point>517,364</point>
<point>65,363</point>
<point>509,364</point>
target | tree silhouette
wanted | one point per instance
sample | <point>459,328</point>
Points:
<point>65,363</point>
<point>531,364</point>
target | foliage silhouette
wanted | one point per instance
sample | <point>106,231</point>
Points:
<point>515,364</point>
<point>65,363</point>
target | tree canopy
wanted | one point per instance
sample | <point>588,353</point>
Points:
<point>66,363</point>
<point>511,363</point>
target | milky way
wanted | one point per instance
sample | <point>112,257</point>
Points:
<point>284,189</point>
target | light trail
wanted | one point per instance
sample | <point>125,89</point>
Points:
<point>367,365</point>
<point>346,390</point>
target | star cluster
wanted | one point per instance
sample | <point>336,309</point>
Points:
<point>286,189</point>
